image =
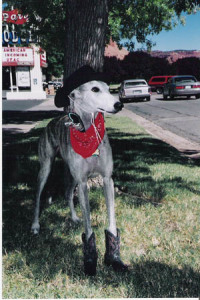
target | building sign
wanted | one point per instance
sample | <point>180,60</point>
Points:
<point>43,58</point>
<point>17,56</point>
<point>13,16</point>
<point>23,76</point>
<point>10,35</point>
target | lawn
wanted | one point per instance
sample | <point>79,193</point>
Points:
<point>157,209</point>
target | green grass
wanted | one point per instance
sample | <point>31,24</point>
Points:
<point>157,209</point>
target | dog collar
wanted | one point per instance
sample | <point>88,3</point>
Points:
<point>75,121</point>
<point>86,143</point>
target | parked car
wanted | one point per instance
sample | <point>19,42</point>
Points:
<point>50,83</point>
<point>45,85</point>
<point>134,89</point>
<point>114,88</point>
<point>57,84</point>
<point>186,85</point>
<point>157,83</point>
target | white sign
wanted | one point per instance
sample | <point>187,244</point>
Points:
<point>17,56</point>
<point>23,76</point>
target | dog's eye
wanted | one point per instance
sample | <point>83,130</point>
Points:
<point>95,89</point>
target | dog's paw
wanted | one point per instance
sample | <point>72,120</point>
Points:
<point>35,228</point>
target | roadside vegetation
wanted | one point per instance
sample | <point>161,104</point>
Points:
<point>157,210</point>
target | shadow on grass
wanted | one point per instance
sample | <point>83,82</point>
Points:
<point>153,279</point>
<point>54,250</point>
<point>20,117</point>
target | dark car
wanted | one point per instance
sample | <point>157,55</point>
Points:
<point>184,85</point>
<point>157,83</point>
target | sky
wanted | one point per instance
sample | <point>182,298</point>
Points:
<point>185,37</point>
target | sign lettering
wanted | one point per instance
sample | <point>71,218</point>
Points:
<point>20,56</point>
<point>13,16</point>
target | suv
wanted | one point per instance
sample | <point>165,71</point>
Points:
<point>157,83</point>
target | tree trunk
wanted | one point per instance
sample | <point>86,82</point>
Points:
<point>86,24</point>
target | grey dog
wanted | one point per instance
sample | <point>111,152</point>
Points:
<point>86,101</point>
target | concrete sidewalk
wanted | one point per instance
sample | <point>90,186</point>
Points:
<point>185,147</point>
<point>26,106</point>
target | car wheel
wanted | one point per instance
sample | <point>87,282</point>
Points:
<point>148,98</point>
<point>159,90</point>
<point>197,96</point>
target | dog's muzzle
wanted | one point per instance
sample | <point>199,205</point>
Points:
<point>118,106</point>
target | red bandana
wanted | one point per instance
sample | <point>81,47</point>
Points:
<point>86,143</point>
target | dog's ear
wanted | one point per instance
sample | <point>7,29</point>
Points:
<point>61,99</point>
<point>75,94</point>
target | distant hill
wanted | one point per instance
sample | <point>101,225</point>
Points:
<point>173,56</point>
<point>113,50</point>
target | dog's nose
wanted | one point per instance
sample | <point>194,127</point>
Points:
<point>118,106</point>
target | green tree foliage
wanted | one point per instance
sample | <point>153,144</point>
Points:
<point>140,18</point>
<point>187,66</point>
<point>140,64</point>
<point>127,19</point>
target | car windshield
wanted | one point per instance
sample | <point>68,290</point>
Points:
<point>185,79</point>
<point>158,79</point>
<point>133,83</point>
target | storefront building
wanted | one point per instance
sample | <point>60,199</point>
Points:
<point>22,65</point>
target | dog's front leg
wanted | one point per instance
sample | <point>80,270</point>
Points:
<point>88,238</point>
<point>110,203</point>
<point>85,207</point>
<point>112,255</point>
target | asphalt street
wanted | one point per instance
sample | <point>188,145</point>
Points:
<point>180,116</point>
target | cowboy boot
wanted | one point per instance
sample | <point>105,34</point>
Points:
<point>90,255</point>
<point>112,255</point>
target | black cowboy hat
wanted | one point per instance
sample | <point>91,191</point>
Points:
<point>79,77</point>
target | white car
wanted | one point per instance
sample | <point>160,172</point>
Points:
<point>134,89</point>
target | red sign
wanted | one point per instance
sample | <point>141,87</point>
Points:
<point>17,56</point>
<point>13,16</point>
<point>43,58</point>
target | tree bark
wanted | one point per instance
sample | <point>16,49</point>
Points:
<point>86,24</point>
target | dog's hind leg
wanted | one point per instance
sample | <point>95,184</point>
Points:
<point>42,179</point>
<point>70,185</point>
<point>46,156</point>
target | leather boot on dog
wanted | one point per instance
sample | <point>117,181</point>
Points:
<point>90,255</point>
<point>112,255</point>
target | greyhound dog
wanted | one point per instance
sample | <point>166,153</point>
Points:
<point>88,102</point>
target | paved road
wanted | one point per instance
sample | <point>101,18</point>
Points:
<point>180,116</point>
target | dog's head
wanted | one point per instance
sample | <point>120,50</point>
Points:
<point>94,96</point>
